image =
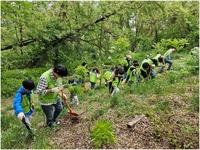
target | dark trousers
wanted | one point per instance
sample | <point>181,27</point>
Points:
<point>92,85</point>
<point>52,112</point>
<point>110,87</point>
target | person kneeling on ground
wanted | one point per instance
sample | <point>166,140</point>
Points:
<point>133,74</point>
<point>147,71</point>
<point>116,81</point>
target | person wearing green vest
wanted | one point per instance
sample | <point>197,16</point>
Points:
<point>23,101</point>
<point>48,90</point>
<point>126,65</point>
<point>155,59</point>
<point>133,74</point>
<point>167,59</point>
<point>94,75</point>
<point>146,69</point>
<point>116,81</point>
<point>159,61</point>
<point>108,74</point>
<point>72,85</point>
<point>168,53</point>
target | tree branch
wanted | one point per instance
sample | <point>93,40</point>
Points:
<point>21,44</point>
<point>55,42</point>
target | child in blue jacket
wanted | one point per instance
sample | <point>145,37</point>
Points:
<point>23,101</point>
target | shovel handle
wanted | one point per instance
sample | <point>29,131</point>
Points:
<point>65,100</point>
<point>67,105</point>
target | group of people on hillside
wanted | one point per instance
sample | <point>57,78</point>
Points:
<point>148,64</point>
<point>132,72</point>
<point>49,87</point>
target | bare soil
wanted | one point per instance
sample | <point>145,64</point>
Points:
<point>74,132</point>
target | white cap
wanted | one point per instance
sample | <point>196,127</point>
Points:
<point>128,56</point>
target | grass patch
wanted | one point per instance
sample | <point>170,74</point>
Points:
<point>102,134</point>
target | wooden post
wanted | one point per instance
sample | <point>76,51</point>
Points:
<point>134,121</point>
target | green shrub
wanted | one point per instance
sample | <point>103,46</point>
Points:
<point>192,61</point>
<point>76,89</point>
<point>12,79</point>
<point>82,72</point>
<point>102,134</point>
<point>164,44</point>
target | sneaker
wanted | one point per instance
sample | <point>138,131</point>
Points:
<point>57,122</point>
<point>55,127</point>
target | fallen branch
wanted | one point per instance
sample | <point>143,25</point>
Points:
<point>134,121</point>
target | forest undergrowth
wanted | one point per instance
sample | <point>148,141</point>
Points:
<point>170,104</point>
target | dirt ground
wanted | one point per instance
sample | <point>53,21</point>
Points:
<point>74,132</point>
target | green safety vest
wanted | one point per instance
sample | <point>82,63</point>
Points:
<point>116,81</point>
<point>149,61</point>
<point>93,77</point>
<point>130,74</point>
<point>166,54</point>
<point>107,75</point>
<point>26,103</point>
<point>157,56</point>
<point>49,97</point>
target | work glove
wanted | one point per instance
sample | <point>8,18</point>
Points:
<point>55,90</point>
<point>152,66</point>
<point>20,115</point>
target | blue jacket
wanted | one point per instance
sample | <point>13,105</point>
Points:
<point>18,99</point>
